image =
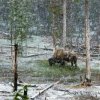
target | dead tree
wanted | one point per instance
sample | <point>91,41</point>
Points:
<point>15,66</point>
<point>87,39</point>
<point>64,23</point>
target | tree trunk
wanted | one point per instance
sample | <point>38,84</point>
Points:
<point>11,40</point>
<point>87,40</point>
<point>53,34</point>
<point>15,67</point>
<point>64,24</point>
<point>98,34</point>
<point>52,2</point>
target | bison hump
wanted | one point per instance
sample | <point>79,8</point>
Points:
<point>59,53</point>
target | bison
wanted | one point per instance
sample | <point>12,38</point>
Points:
<point>61,56</point>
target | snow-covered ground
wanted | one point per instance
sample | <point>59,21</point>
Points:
<point>95,64</point>
<point>58,92</point>
<point>34,47</point>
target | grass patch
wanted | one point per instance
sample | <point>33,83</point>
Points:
<point>43,69</point>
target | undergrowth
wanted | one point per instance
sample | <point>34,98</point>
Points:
<point>44,69</point>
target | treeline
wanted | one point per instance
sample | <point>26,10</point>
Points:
<point>37,15</point>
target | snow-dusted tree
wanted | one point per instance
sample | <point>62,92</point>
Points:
<point>19,18</point>
<point>87,38</point>
<point>52,8</point>
<point>64,24</point>
<point>55,13</point>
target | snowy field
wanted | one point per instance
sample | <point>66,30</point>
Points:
<point>35,47</point>
<point>35,51</point>
<point>58,92</point>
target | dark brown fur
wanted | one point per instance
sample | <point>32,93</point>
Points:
<point>60,56</point>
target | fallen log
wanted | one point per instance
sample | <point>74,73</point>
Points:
<point>42,91</point>
<point>34,55</point>
<point>7,95</point>
<point>4,92</point>
<point>45,48</point>
<point>23,84</point>
<point>28,85</point>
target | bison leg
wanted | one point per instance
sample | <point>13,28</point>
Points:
<point>51,61</point>
<point>62,62</point>
<point>72,63</point>
<point>75,62</point>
